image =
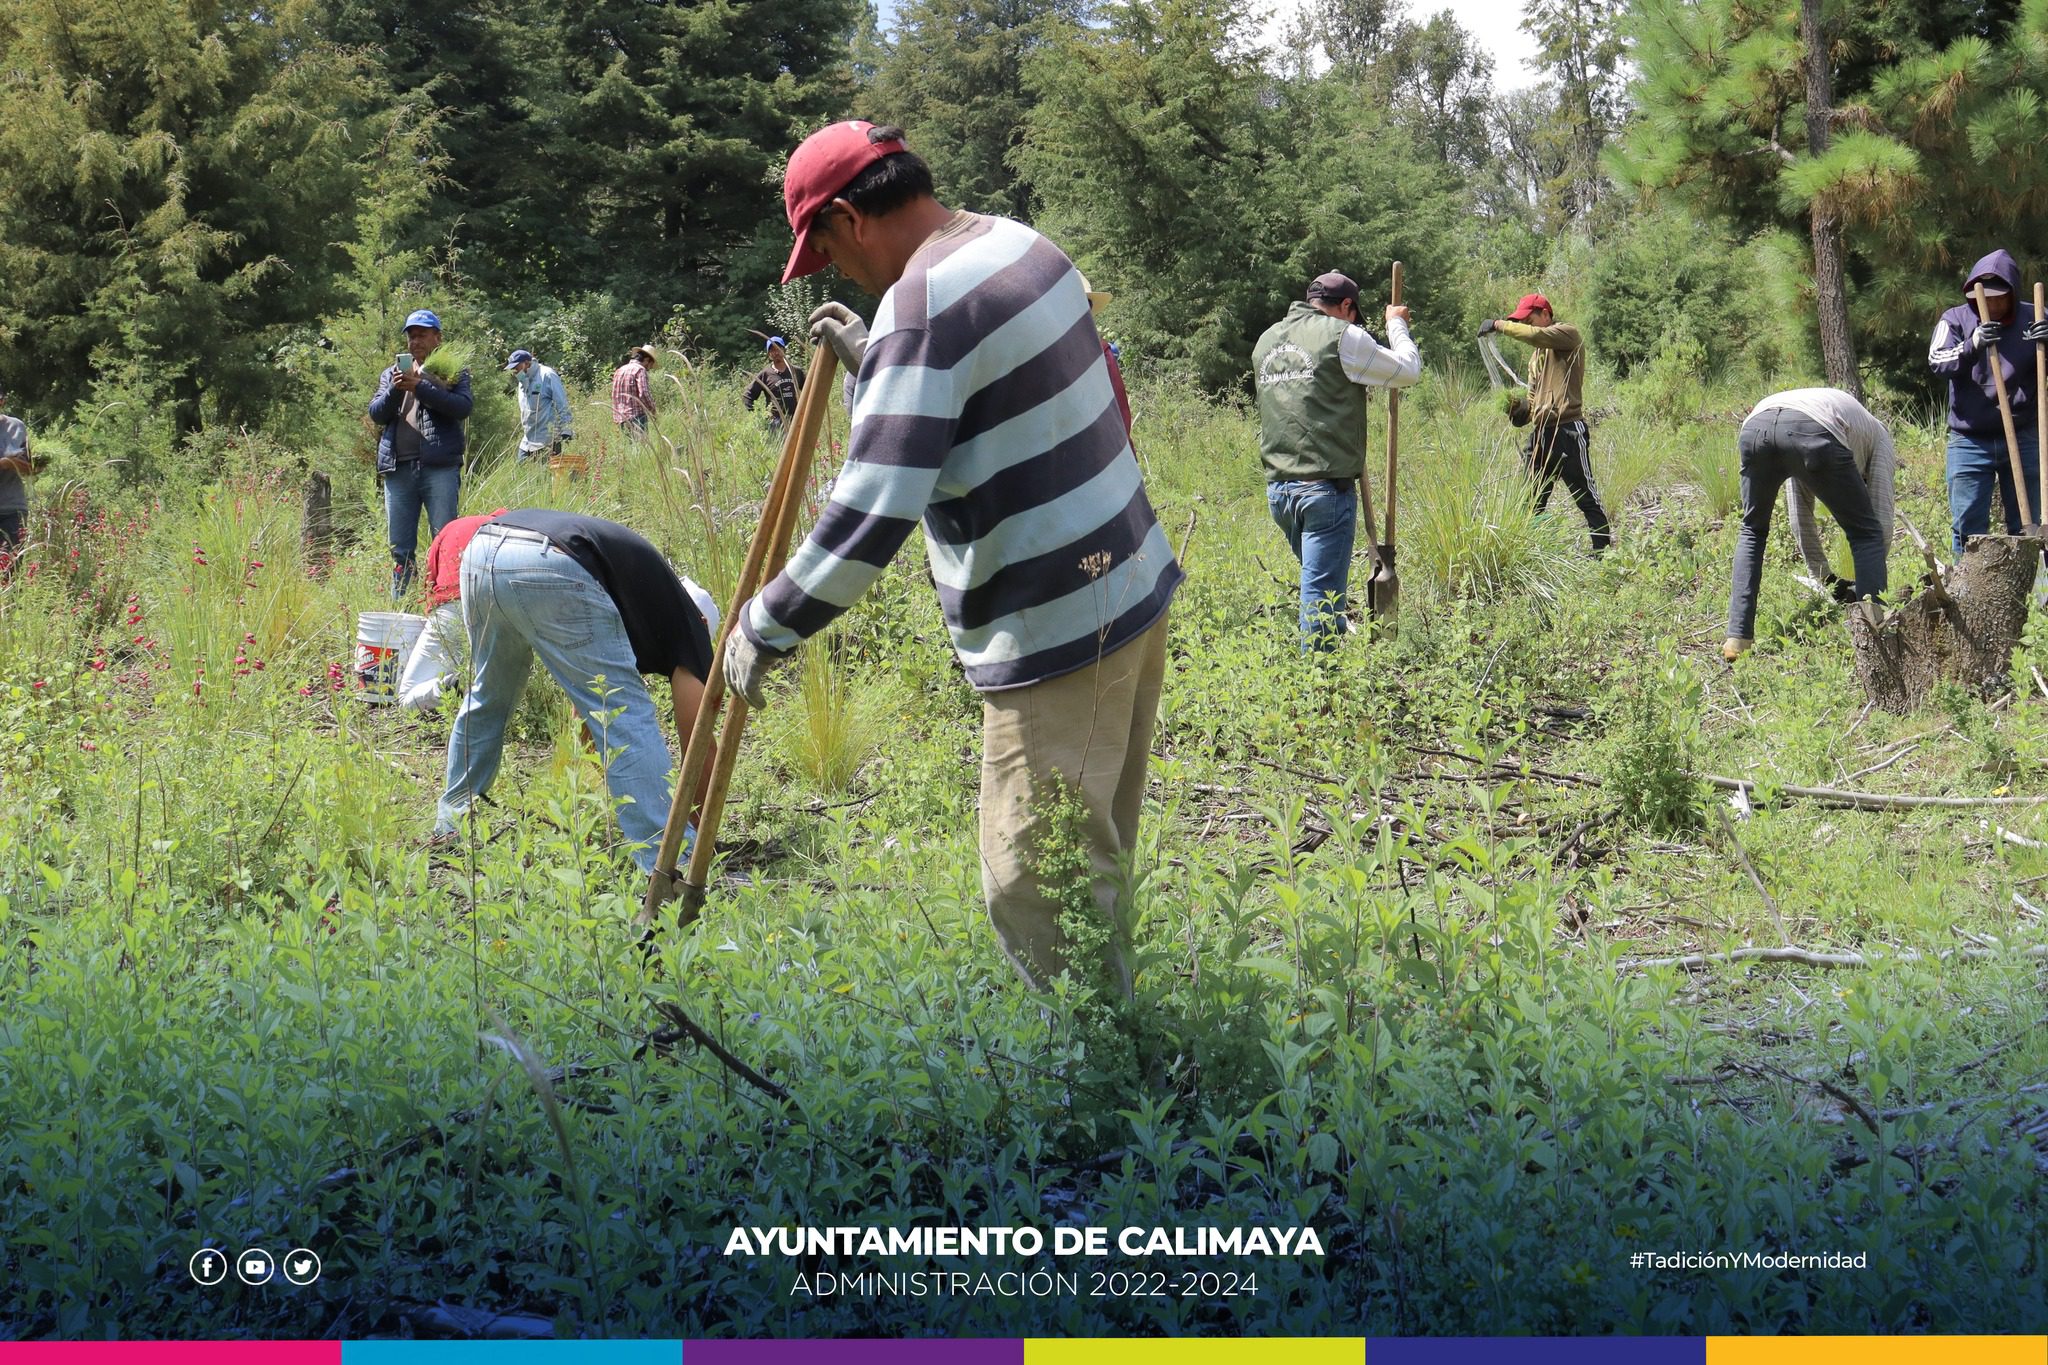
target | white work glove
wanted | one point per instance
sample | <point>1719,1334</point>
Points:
<point>1986,335</point>
<point>837,326</point>
<point>747,666</point>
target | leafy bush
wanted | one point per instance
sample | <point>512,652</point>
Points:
<point>1649,755</point>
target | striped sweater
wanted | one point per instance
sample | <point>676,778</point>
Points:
<point>984,409</point>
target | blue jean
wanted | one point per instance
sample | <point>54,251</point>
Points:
<point>1973,464</point>
<point>409,490</point>
<point>1320,519</point>
<point>522,596</point>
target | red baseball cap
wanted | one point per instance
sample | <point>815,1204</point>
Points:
<point>1529,304</point>
<point>818,170</point>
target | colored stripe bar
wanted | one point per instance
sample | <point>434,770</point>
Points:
<point>1536,1351</point>
<point>1195,1351</point>
<point>1876,1350</point>
<point>858,1351</point>
<point>597,1352</point>
<point>171,1353</point>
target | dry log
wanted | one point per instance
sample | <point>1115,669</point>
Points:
<point>1959,627</point>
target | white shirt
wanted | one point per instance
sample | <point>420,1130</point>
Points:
<point>1849,422</point>
<point>1395,365</point>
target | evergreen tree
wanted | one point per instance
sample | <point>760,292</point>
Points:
<point>953,77</point>
<point>1580,45</point>
<point>1904,143</point>
<point>668,125</point>
<point>1207,193</point>
<point>176,196</point>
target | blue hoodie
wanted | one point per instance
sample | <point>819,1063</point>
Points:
<point>1972,395</point>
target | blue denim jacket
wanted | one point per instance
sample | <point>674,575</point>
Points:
<point>443,411</point>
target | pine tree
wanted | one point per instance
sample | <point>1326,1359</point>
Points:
<point>953,78</point>
<point>176,195</point>
<point>1899,142</point>
<point>1206,192</point>
<point>1580,45</point>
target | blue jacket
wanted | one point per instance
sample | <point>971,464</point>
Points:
<point>1972,394</point>
<point>442,413</point>
<point>543,409</point>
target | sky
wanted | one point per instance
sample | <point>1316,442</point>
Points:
<point>1497,24</point>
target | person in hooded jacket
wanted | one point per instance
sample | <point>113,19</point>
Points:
<point>1962,352</point>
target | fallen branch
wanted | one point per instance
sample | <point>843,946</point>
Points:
<point>1807,957</point>
<point>685,1027</point>
<point>1728,828</point>
<point>1871,800</point>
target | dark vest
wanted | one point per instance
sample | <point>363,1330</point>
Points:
<point>1311,418</point>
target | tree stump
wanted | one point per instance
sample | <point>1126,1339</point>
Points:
<point>1960,629</point>
<point>316,530</point>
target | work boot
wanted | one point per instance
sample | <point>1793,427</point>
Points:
<point>1734,647</point>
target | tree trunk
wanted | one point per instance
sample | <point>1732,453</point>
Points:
<point>1830,279</point>
<point>316,530</point>
<point>1959,630</point>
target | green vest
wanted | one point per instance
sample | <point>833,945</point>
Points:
<point>1311,418</point>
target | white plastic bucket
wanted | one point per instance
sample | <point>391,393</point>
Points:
<point>383,639</point>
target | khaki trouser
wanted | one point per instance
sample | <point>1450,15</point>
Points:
<point>1092,727</point>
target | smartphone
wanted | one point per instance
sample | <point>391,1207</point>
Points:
<point>405,362</point>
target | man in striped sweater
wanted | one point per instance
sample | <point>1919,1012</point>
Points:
<point>984,410</point>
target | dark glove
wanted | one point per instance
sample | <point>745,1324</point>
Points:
<point>2036,331</point>
<point>1987,334</point>
<point>1840,588</point>
<point>1488,327</point>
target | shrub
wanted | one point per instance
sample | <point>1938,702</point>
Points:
<point>1649,754</point>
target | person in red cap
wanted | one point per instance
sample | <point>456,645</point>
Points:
<point>1559,446</point>
<point>984,410</point>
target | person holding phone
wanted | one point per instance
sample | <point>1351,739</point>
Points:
<point>419,453</point>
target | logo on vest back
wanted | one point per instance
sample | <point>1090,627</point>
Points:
<point>1286,363</point>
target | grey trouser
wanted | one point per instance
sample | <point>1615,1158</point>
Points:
<point>1780,444</point>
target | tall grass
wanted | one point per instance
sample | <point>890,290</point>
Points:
<point>833,723</point>
<point>1468,524</point>
<point>1716,469</point>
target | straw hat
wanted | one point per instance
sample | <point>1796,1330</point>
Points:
<point>647,354</point>
<point>1096,297</point>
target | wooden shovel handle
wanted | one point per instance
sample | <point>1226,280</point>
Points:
<point>1393,421</point>
<point>2041,405</point>
<point>768,549</point>
<point>2012,435</point>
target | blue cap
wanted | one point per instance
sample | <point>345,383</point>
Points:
<point>423,317</point>
<point>513,361</point>
<point>773,342</point>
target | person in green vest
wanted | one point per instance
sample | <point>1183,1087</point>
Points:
<point>1312,369</point>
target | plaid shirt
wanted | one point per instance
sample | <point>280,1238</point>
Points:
<point>630,395</point>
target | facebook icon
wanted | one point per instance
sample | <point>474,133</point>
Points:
<point>208,1267</point>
